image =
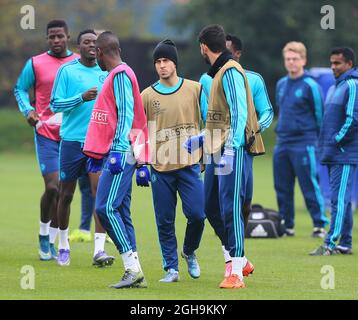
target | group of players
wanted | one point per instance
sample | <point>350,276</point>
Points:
<point>89,117</point>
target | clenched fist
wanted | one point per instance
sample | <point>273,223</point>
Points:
<point>33,118</point>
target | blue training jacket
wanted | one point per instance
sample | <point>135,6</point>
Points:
<point>338,142</point>
<point>300,105</point>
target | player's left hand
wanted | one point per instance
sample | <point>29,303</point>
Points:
<point>115,162</point>
<point>94,165</point>
<point>142,176</point>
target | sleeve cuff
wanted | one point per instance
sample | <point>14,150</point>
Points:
<point>26,112</point>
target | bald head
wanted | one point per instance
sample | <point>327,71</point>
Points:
<point>108,50</point>
<point>108,43</point>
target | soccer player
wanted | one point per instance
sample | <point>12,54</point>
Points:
<point>300,105</point>
<point>338,146</point>
<point>211,183</point>
<point>175,108</point>
<point>39,73</point>
<point>73,94</point>
<point>232,112</point>
<point>118,122</point>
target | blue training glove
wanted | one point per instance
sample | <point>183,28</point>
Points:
<point>115,162</point>
<point>193,143</point>
<point>142,176</point>
<point>94,165</point>
<point>226,164</point>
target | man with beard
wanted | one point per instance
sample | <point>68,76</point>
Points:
<point>74,93</point>
<point>232,113</point>
<point>211,183</point>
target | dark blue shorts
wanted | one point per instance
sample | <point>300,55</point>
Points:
<point>72,160</point>
<point>47,153</point>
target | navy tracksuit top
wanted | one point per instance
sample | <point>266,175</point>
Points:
<point>300,106</point>
<point>338,141</point>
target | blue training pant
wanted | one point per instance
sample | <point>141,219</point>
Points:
<point>341,184</point>
<point>165,185</point>
<point>232,196</point>
<point>289,162</point>
<point>212,204</point>
<point>211,194</point>
<point>113,205</point>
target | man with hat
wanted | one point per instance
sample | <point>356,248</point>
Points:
<point>175,107</point>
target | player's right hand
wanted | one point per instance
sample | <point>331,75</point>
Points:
<point>115,162</point>
<point>33,118</point>
<point>194,142</point>
<point>90,94</point>
<point>142,176</point>
<point>226,164</point>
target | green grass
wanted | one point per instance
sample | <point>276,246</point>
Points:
<point>16,135</point>
<point>283,269</point>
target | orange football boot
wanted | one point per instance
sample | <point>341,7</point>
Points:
<point>248,269</point>
<point>232,282</point>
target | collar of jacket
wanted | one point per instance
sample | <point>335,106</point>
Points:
<point>351,73</point>
<point>220,61</point>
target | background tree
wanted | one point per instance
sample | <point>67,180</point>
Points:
<point>265,27</point>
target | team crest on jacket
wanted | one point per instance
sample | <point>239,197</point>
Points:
<point>101,78</point>
<point>298,93</point>
<point>153,178</point>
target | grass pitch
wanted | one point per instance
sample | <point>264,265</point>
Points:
<point>283,269</point>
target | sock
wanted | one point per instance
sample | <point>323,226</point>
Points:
<point>244,262</point>
<point>63,240</point>
<point>44,228</point>
<point>237,265</point>
<point>53,234</point>
<point>99,240</point>
<point>135,253</point>
<point>129,261</point>
<point>226,255</point>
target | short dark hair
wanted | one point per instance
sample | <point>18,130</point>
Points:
<point>236,41</point>
<point>84,32</point>
<point>57,24</point>
<point>346,52</point>
<point>214,37</point>
<point>109,43</point>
